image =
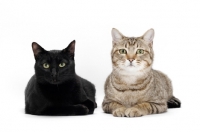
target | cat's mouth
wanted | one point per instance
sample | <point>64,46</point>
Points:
<point>55,81</point>
<point>131,65</point>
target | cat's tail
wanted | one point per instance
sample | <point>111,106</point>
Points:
<point>174,103</point>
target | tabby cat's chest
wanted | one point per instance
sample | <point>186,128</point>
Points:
<point>128,94</point>
<point>129,98</point>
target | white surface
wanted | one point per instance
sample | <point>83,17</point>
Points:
<point>54,24</point>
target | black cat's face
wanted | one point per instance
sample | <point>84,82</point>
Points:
<point>56,66</point>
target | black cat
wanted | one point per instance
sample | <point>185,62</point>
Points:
<point>55,89</point>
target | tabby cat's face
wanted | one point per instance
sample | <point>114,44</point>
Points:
<point>132,54</point>
<point>56,66</point>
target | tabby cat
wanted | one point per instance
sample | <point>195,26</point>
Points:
<point>133,88</point>
<point>55,89</point>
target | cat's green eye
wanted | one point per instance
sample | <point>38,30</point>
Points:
<point>62,64</point>
<point>122,51</point>
<point>140,51</point>
<point>46,65</point>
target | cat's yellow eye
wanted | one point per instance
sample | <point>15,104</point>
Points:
<point>62,64</point>
<point>46,65</point>
<point>122,51</point>
<point>140,51</point>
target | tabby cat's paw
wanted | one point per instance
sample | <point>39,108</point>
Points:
<point>119,112</point>
<point>106,108</point>
<point>133,112</point>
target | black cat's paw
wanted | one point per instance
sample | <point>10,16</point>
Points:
<point>81,110</point>
<point>90,105</point>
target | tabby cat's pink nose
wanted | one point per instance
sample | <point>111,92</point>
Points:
<point>131,60</point>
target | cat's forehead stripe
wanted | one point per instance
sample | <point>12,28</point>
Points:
<point>132,42</point>
<point>129,41</point>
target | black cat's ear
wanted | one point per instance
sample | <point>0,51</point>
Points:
<point>37,49</point>
<point>70,49</point>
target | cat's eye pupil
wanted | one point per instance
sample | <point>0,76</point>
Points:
<point>46,65</point>
<point>62,64</point>
<point>122,51</point>
<point>140,51</point>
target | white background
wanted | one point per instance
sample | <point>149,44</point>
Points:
<point>54,24</point>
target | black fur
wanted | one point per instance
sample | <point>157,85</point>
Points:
<point>174,103</point>
<point>58,90</point>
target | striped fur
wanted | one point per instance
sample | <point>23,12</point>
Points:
<point>133,88</point>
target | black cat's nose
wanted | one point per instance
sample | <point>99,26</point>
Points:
<point>53,73</point>
<point>131,60</point>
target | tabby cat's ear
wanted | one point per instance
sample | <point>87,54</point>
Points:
<point>116,35</point>
<point>70,48</point>
<point>37,49</point>
<point>149,35</point>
